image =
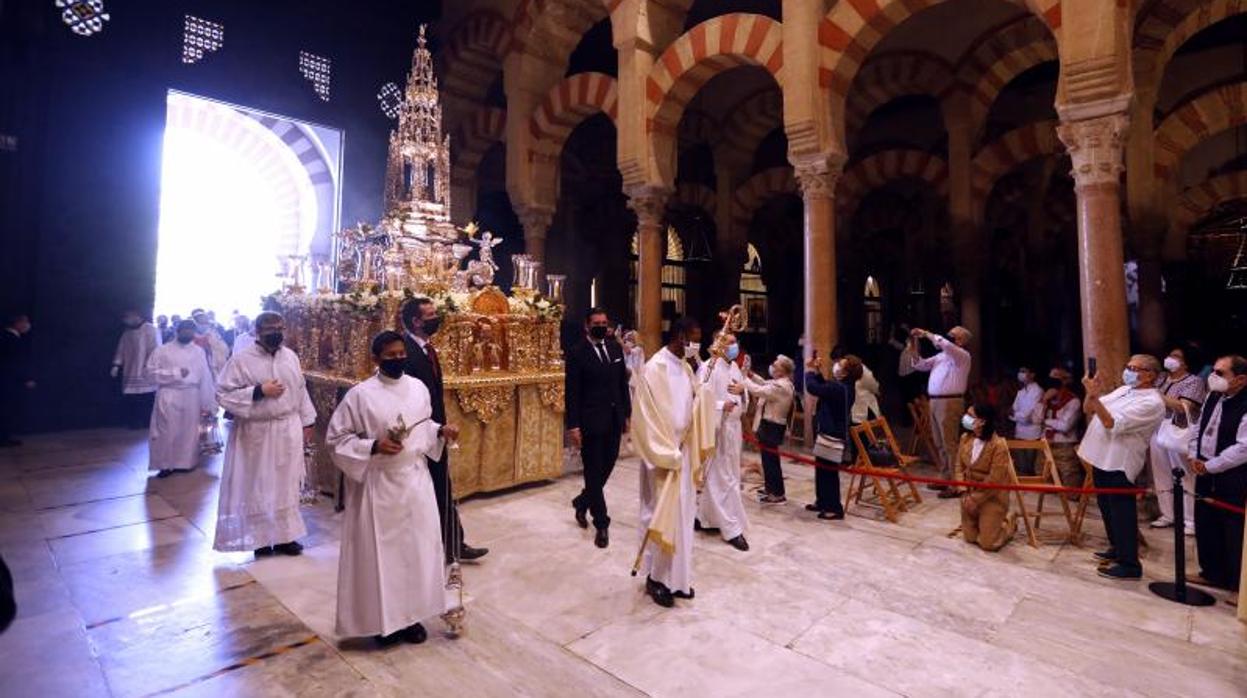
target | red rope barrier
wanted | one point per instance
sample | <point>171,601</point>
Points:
<point>905,477</point>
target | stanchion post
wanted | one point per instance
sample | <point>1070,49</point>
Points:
<point>1177,590</point>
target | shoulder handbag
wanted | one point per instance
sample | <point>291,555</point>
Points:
<point>831,448</point>
<point>1173,437</point>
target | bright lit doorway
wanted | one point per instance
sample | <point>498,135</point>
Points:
<point>242,191</point>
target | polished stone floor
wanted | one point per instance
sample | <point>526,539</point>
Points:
<point>120,594</point>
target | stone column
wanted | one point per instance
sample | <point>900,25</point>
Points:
<point>1095,147</point>
<point>650,205</point>
<point>818,187</point>
<point>964,215</point>
<point>536,223</point>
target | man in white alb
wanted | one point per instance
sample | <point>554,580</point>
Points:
<point>263,389</point>
<point>391,573</point>
<point>946,387</point>
<point>719,508</point>
<point>138,390</point>
<point>184,395</point>
<point>673,432</point>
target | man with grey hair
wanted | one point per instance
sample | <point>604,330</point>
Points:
<point>946,388</point>
<point>1119,427</point>
<point>771,421</point>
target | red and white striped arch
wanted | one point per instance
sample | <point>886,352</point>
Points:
<point>852,28</point>
<point>887,76</point>
<point>569,103</point>
<point>1216,110</point>
<point>1002,56</point>
<point>999,157</point>
<point>886,166</point>
<point>485,127</point>
<point>697,126</point>
<point>706,50</point>
<point>1198,201</point>
<point>757,190</point>
<point>752,120</point>
<point>474,53</point>
<point>1160,34</point>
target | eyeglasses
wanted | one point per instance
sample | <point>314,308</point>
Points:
<point>1140,369</point>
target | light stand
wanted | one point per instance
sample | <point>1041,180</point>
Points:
<point>1177,590</point>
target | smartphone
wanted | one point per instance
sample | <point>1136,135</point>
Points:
<point>1091,367</point>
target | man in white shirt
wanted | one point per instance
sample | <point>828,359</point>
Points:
<point>1218,456</point>
<point>946,386</point>
<point>1059,412</point>
<point>1026,423</point>
<point>1119,425</point>
<point>242,335</point>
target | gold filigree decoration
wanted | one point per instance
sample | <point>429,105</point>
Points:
<point>551,395</point>
<point>485,402</point>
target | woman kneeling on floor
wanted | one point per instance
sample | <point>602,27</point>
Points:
<point>984,456</point>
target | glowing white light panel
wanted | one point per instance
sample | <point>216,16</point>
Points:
<point>316,69</point>
<point>200,37</point>
<point>83,17</point>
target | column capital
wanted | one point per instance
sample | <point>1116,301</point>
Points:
<point>649,202</point>
<point>1095,146</point>
<point>534,218</point>
<point>817,177</point>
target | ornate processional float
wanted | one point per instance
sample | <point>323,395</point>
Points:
<point>499,354</point>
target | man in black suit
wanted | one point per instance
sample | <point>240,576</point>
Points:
<point>16,377</point>
<point>598,408</point>
<point>420,322</point>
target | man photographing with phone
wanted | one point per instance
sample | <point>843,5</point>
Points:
<point>1119,426</point>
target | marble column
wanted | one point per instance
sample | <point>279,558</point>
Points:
<point>650,204</point>
<point>536,223</point>
<point>818,186</point>
<point>965,222</point>
<point>1095,147</point>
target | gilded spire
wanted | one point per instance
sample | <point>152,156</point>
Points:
<point>418,172</point>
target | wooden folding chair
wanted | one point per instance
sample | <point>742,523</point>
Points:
<point>796,424</point>
<point>920,410</point>
<point>1080,514</point>
<point>888,494</point>
<point>1047,478</point>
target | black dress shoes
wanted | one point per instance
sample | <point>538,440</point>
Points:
<point>659,593</point>
<point>388,640</point>
<point>831,515</point>
<point>264,552</point>
<point>601,539</point>
<point>415,634</point>
<point>467,552</point>
<point>739,543</point>
<point>684,594</point>
<point>581,519</point>
<point>292,548</point>
<point>697,526</point>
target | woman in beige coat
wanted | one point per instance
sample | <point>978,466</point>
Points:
<point>984,457</point>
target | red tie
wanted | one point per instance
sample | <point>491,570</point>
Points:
<point>437,367</point>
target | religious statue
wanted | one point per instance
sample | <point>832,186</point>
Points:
<point>486,351</point>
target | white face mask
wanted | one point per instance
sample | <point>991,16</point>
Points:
<point>691,350</point>
<point>1023,377</point>
<point>1172,364</point>
<point>1218,384</point>
<point>837,370</point>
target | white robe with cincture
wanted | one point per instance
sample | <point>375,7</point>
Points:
<point>264,465</point>
<point>673,440</point>
<point>719,505</point>
<point>133,349</point>
<point>180,402</point>
<point>391,571</point>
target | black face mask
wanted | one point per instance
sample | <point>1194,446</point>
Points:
<point>272,340</point>
<point>184,339</point>
<point>392,368</point>
<point>431,326</point>
<point>598,332</point>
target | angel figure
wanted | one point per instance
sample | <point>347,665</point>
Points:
<point>488,243</point>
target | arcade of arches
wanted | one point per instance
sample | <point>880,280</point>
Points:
<point>1002,164</point>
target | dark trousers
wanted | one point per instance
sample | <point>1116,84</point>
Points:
<point>11,398</point>
<point>452,529</point>
<point>599,453</point>
<point>1121,516</point>
<point>771,435</point>
<point>137,409</point>
<point>827,487</point>
<point>1219,533</point>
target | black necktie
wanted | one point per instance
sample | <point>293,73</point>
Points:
<point>601,348</point>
